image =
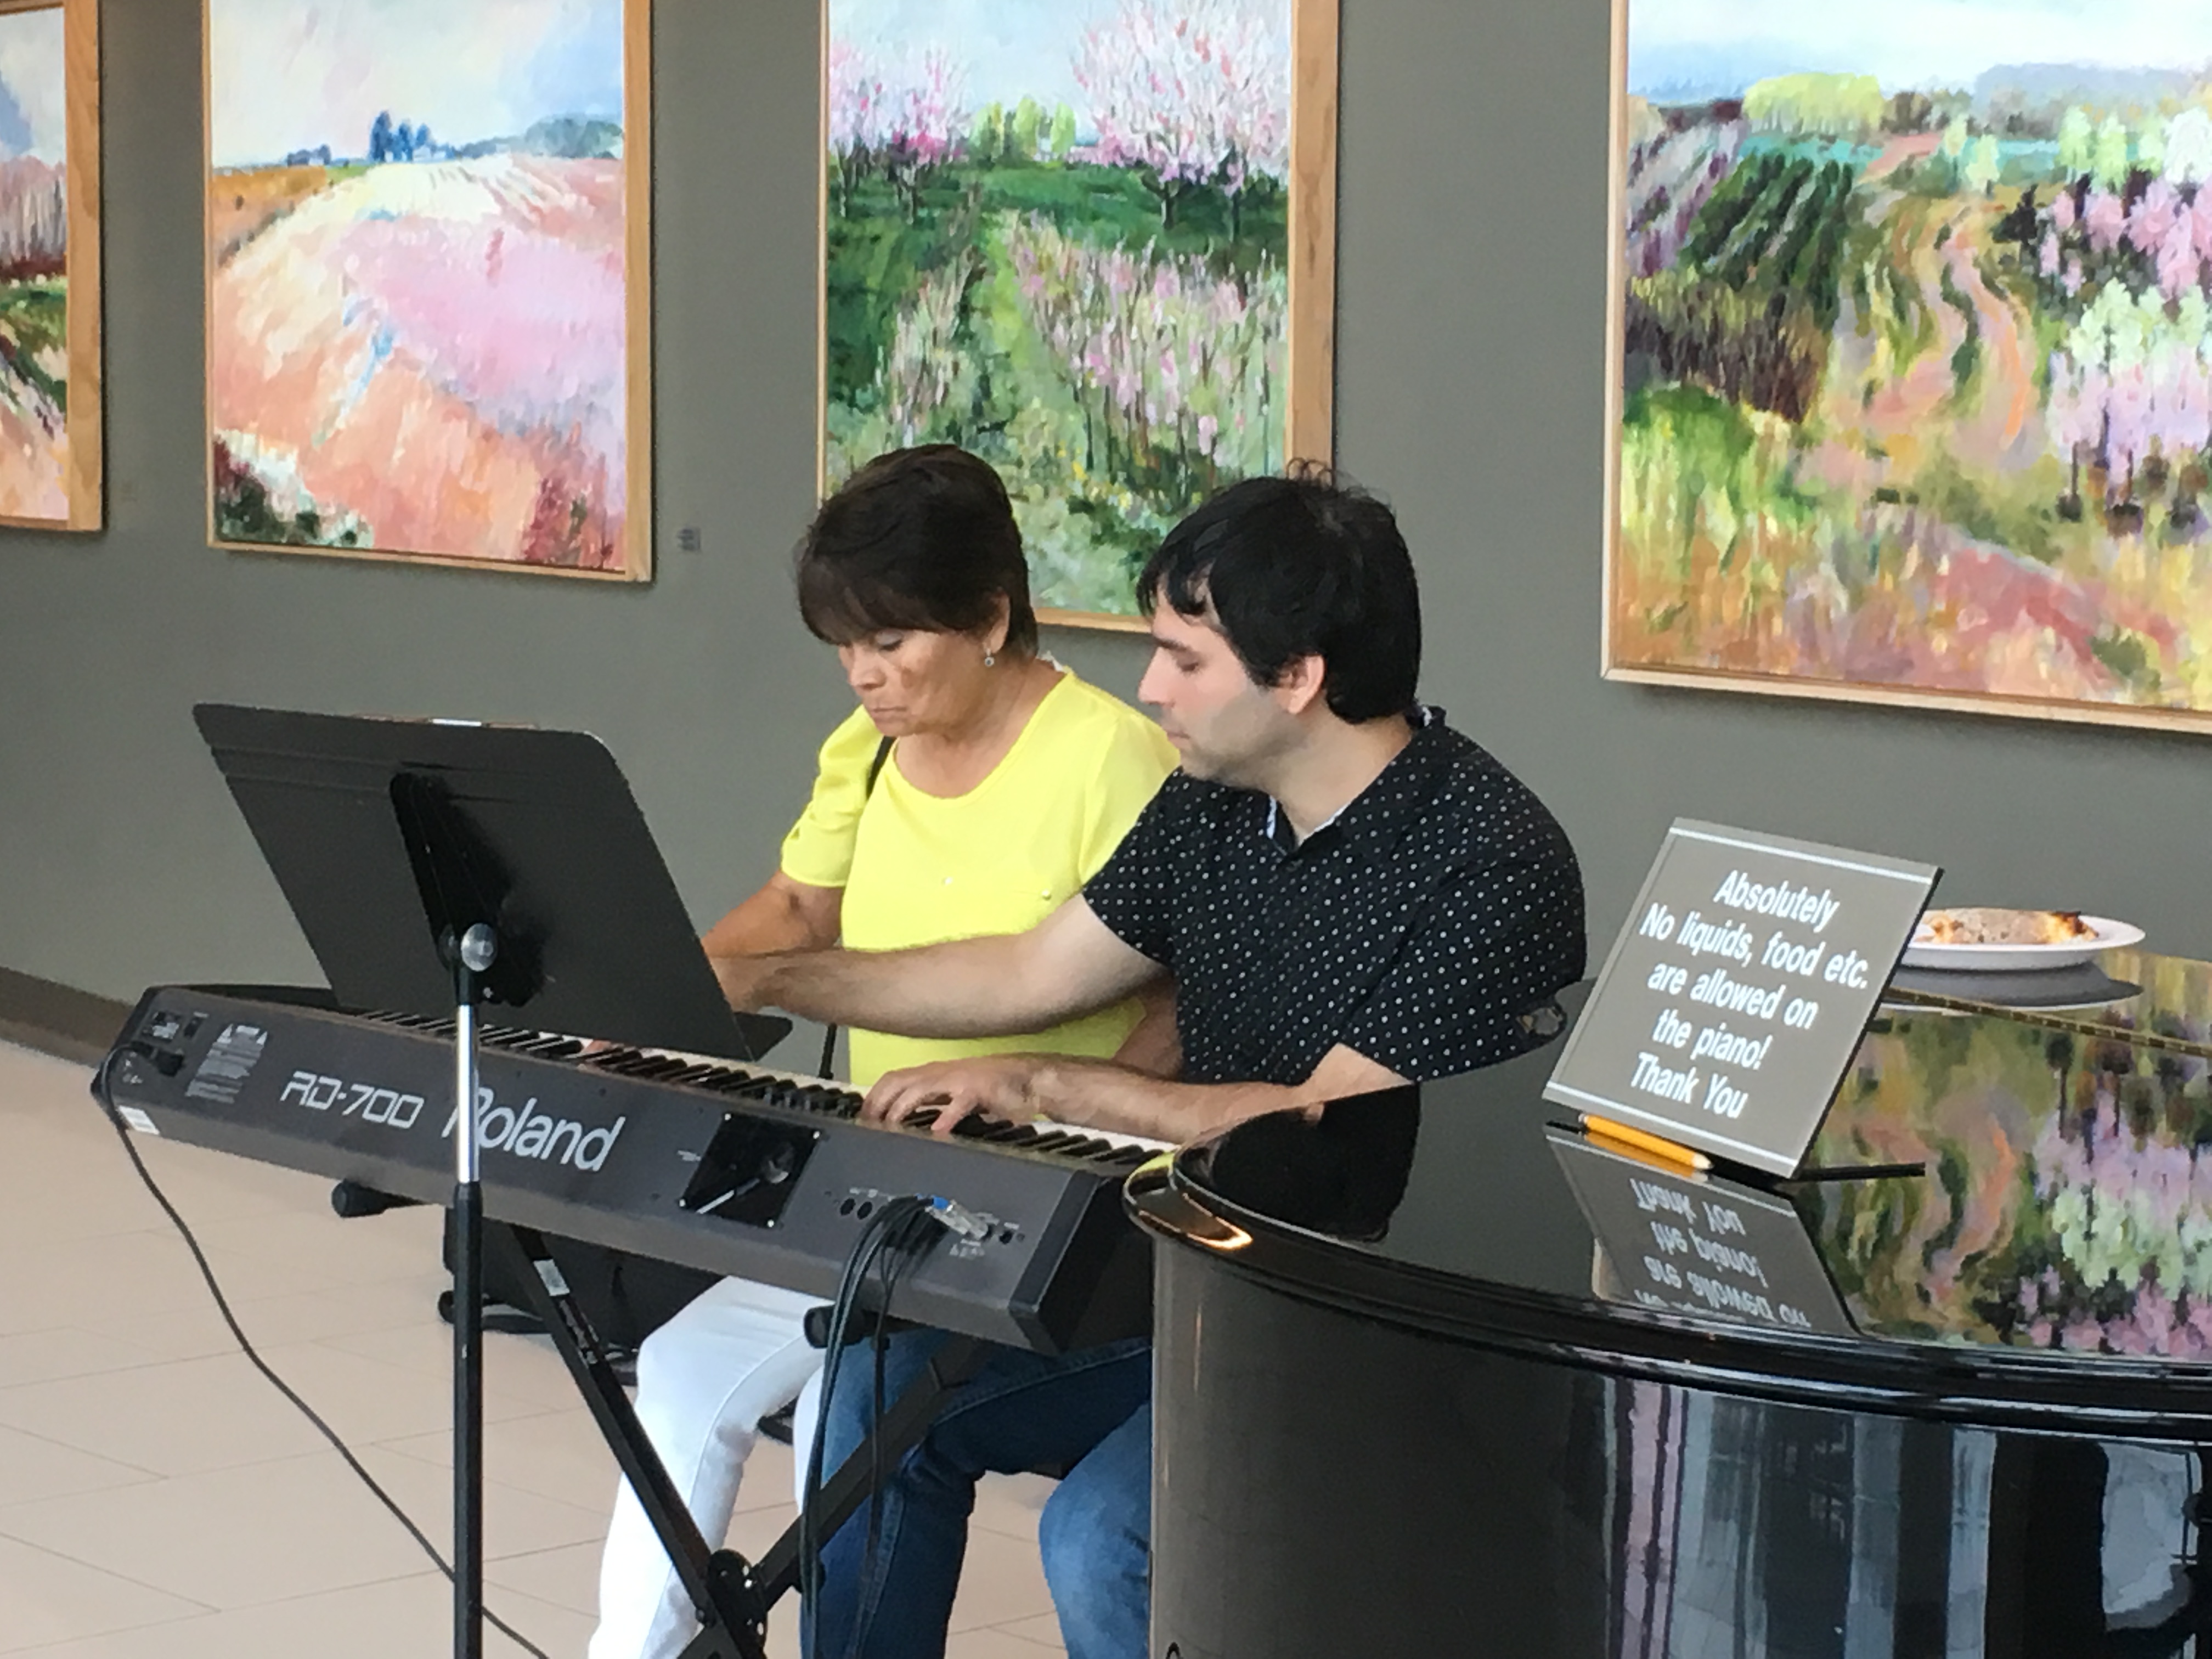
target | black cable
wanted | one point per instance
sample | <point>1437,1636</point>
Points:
<point>911,1239</point>
<point>809,1540</point>
<point>102,1092</point>
<point>879,1350</point>
<point>810,1535</point>
<point>857,1263</point>
<point>879,1343</point>
<point>896,1228</point>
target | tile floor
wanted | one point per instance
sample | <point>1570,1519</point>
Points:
<point>159,1500</point>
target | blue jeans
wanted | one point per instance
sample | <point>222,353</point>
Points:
<point>1089,1411</point>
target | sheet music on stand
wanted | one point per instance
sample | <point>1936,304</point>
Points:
<point>590,920</point>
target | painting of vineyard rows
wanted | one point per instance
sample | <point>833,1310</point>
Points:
<point>1915,345</point>
<point>1061,234</point>
<point>427,306</point>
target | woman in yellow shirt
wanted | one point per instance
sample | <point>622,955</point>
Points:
<point>978,785</point>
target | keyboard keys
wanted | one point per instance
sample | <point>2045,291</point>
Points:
<point>790,1093</point>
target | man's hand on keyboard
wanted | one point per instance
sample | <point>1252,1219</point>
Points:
<point>996,1084</point>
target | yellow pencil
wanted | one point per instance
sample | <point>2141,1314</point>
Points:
<point>1643,1141</point>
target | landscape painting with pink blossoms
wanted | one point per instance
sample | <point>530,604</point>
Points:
<point>1058,233</point>
<point>1915,341</point>
<point>424,321</point>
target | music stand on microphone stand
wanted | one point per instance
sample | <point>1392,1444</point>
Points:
<point>519,857</point>
<point>462,911</point>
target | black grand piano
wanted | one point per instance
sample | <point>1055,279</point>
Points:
<point>1407,1403</point>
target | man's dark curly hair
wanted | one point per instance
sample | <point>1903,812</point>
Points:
<point>1302,565</point>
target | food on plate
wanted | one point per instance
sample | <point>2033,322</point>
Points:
<point>1984,926</point>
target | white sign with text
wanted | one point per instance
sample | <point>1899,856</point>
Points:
<point>1734,999</point>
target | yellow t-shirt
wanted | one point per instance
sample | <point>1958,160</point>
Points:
<point>918,868</point>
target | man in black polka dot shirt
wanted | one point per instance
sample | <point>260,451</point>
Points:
<point>1348,895</point>
<point>1421,927</point>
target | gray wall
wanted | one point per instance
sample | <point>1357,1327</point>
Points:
<point>1471,370</point>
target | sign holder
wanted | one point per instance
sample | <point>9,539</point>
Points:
<point>1736,995</point>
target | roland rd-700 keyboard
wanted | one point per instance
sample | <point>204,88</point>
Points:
<point>733,1168</point>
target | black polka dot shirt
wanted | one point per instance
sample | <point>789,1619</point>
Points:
<point>1427,926</point>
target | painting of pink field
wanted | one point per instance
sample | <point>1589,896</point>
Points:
<point>427,330</point>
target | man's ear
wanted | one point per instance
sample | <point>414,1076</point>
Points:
<point>1299,686</point>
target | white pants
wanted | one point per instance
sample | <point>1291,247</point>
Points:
<point>704,1381</point>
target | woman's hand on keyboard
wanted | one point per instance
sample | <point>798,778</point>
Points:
<point>999,1086</point>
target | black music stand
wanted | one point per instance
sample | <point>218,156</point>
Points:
<point>434,865</point>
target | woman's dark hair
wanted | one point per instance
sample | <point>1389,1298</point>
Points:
<point>1301,566</point>
<point>918,539</point>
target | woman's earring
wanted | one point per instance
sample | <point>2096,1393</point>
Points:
<point>990,660</point>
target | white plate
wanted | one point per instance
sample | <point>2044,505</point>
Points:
<point>2024,958</point>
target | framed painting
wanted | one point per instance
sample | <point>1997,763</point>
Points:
<point>429,281</point>
<point>1091,240</point>
<point>1910,356</point>
<point>50,436</point>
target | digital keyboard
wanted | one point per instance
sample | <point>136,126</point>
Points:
<point>735,1170</point>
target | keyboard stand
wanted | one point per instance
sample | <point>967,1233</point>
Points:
<point>731,1595</point>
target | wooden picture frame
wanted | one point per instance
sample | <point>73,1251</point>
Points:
<point>549,481</point>
<point>1035,139</point>
<point>61,450</point>
<point>1912,517</point>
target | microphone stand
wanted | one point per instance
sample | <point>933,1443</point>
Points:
<point>472,955</point>
<point>465,892</point>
